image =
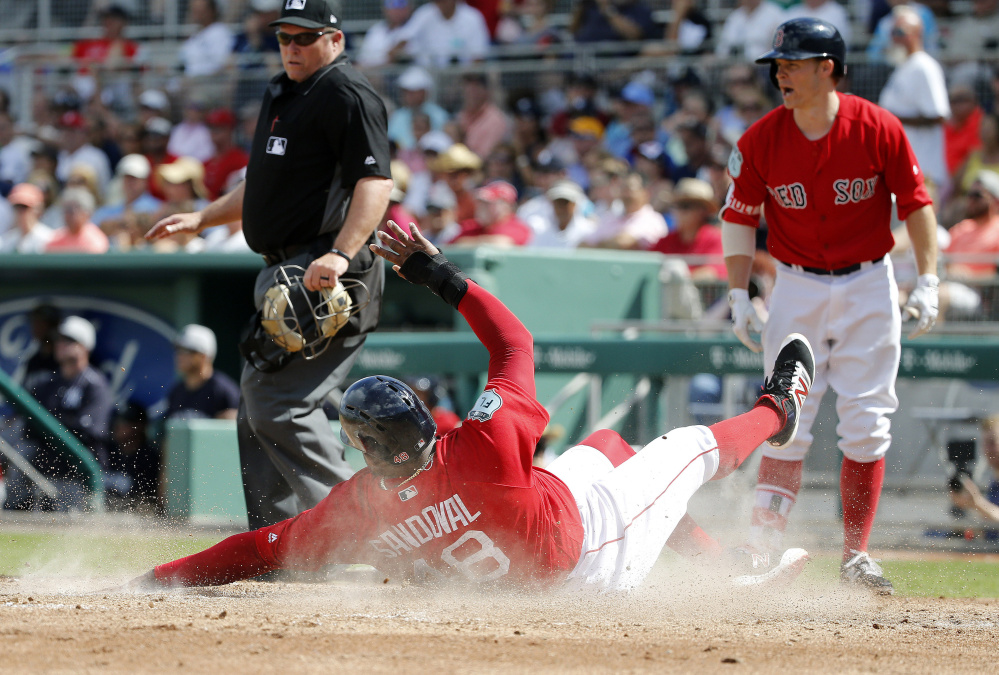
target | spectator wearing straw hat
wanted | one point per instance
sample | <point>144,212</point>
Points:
<point>694,208</point>
<point>458,166</point>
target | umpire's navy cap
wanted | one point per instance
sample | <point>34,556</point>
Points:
<point>310,13</point>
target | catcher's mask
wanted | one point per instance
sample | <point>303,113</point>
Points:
<point>300,320</point>
<point>382,416</point>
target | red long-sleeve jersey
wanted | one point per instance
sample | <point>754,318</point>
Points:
<point>480,512</point>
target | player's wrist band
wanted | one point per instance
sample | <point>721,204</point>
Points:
<point>438,274</point>
<point>341,254</point>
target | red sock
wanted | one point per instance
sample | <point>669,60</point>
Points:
<point>739,436</point>
<point>860,488</point>
<point>689,540</point>
<point>776,492</point>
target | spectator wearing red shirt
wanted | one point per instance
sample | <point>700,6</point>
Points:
<point>694,205</point>
<point>228,158</point>
<point>495,222</point>
<point>961,130</point>
<point>111,49</point>
<point>457,166</point>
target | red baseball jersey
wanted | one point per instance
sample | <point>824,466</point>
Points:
<point>827,202</point>
<point>480,512</point>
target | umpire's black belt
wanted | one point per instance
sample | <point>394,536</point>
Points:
<point>839,271</point>
<point>319,245</point>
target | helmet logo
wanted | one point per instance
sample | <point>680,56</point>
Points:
<point>400,458</point>
<point>779,38</point>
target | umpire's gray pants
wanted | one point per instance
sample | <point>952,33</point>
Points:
<point>289,455</point>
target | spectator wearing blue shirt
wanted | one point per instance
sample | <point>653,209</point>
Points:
<point>612,21</point>
<point>201,392</point>
<point>415,85</point>
<point>78,395</point>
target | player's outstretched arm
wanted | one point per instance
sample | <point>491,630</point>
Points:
<point>233,559</point>
<point>510,344</point>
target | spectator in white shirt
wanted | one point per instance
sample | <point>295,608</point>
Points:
<point>384,41</point>
<point>76,149</point>
<point>568,227</point>
<point>28,235</point>
<point>748,30</point>
<point>443,32</point>
<point>192,137</point>
<point>827,10</point>
<point>916,93</point>
<point>207,51</point>
<point>638,227</point>
<point>15,152</point>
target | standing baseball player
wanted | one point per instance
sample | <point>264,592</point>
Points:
<point>822,169</point>
<point>316,187</point>
<point>470,505</point>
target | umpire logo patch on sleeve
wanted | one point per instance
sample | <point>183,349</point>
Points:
<point>487,405</point>
<point>276,145</point>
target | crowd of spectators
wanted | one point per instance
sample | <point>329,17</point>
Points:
<point>580,158</point>
<point>124,437</point>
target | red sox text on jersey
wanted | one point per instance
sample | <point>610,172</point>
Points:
<point>827,202</point>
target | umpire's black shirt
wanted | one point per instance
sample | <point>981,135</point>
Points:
<point>314,140</point>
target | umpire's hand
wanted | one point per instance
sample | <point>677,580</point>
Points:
<point>175,224</point>
<point>745,318</point>
<point>396,250</point>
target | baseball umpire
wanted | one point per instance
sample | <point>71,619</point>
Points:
<point>823,168</point>
<point>316,187</point>
<point>471,506</point>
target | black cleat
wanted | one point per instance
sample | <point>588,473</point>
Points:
<point>786,389</point>
<point>861,570</point>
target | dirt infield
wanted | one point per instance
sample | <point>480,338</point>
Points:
<point>674,624</point>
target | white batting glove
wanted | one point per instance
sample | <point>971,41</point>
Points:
<point>745,318</point>
<point>923,304</point>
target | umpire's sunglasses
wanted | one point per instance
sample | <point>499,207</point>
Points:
<point>300,39</point>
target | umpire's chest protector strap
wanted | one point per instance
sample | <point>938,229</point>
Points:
<point>438,274</point>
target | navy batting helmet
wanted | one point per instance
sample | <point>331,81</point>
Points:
<point>382,416</point>
<point>806,38</point>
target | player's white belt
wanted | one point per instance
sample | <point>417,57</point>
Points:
<point>839,271</point>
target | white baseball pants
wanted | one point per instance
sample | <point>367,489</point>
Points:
<point>630,511</point>
<point>854,325</point>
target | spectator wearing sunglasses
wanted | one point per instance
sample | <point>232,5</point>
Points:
<point>974,238</point>
<point>317,185</point>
